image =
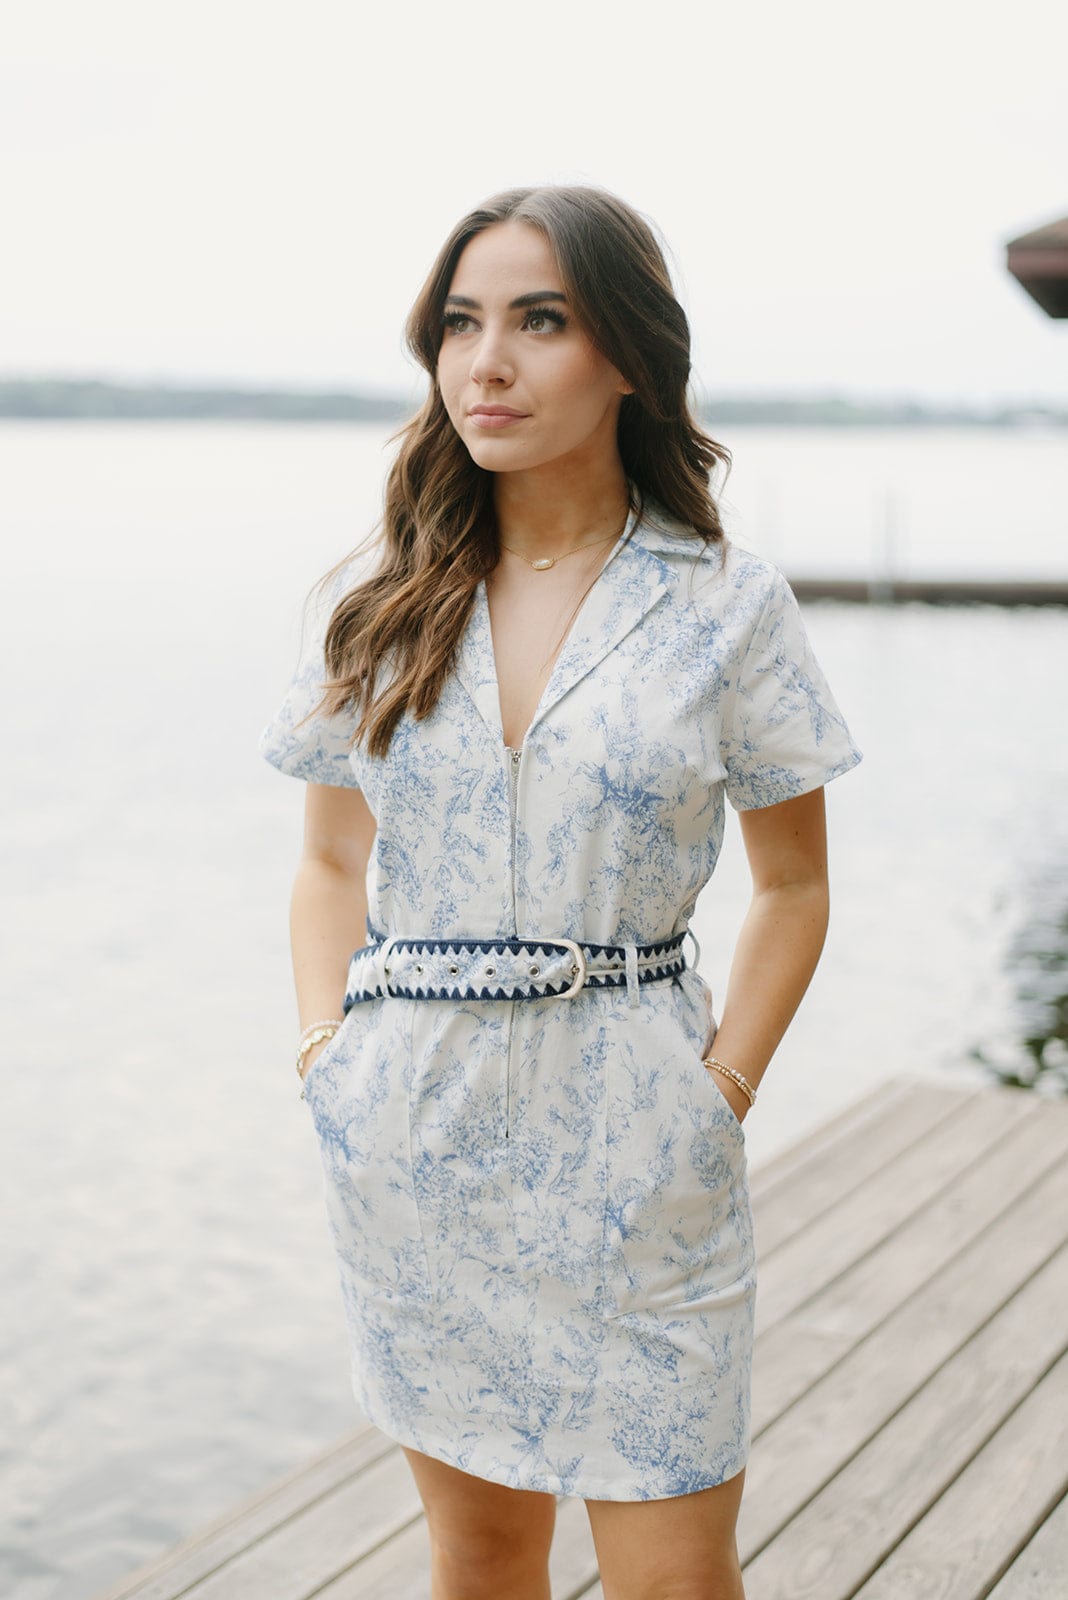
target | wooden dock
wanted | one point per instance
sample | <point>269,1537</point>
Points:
<point>910,1388</point>
<point>935,591</point>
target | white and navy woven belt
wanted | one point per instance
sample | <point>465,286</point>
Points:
<point>506,969</point>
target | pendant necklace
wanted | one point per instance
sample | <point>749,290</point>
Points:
<point>543,563</point>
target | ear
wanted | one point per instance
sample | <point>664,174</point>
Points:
<point>624,387</point>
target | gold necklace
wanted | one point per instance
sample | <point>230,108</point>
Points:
<point>543,563</point>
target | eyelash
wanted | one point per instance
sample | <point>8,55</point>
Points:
<point>451,319</point>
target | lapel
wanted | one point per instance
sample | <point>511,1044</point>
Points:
<point>476,668</point>
<point>629,584</point>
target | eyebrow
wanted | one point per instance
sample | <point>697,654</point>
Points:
<point>513,305</point>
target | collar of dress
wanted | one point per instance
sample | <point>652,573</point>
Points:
<point>632,581</point>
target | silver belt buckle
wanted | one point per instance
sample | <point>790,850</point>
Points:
<point>580,967</point>
<point>383,955</point>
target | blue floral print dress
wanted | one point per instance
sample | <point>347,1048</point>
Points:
<point>540,1208</point>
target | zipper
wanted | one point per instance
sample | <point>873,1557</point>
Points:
<point>514,758</point>
<point>513,788</point>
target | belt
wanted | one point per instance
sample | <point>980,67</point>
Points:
<point>506,969</point>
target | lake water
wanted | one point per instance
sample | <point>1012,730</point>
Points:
<point>174,1337</point>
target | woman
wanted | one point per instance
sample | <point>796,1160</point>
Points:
<point>518,731</point>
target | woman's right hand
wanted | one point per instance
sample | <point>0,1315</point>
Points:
<point>328,913</point>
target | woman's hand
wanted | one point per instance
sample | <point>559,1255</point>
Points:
<point>328,916</point>
<point>316,1050</point>
<point>779,943</point>
<point>736,1098</point>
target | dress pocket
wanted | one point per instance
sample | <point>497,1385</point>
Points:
<point>360,1106</point>
<point>720,1105</point>
<point>678,1223</point>
<point>330,1049</point>
<point>698,1017</point>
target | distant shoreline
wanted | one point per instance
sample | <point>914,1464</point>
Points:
<point>102,400</point>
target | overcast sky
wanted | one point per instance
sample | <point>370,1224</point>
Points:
<point>235,191</point>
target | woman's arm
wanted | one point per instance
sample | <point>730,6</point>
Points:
<point>328,910</point>
<point>781,939</point>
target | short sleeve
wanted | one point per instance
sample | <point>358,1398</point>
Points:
<point>783,733</point>
<point>316,748</point>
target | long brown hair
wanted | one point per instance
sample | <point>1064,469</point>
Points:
<point>439,528</point>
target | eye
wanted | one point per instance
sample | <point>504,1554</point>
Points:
<point>453,321</point>
<point>549,319</point>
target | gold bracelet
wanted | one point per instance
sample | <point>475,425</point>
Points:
<point>736,1077</point>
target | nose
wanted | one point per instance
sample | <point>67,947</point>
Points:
<point>491,362</point>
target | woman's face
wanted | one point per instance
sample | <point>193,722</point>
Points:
<point>522,384</point>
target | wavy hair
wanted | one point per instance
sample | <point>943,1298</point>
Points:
<point>438,530</point>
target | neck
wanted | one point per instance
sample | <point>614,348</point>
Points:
<point>543,516</point>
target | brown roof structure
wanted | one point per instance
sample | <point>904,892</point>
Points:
<point>1039,261</point>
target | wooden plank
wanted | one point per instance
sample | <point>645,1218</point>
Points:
<point>790,1198</point>
<point>991,1510</point>
<point>207,1549</point>
<point>299,1557</point>
<point>1015,1140</point>
<point>850,1525</point>
<point>804,1151</point>
<point>399,1569</point>
<point>880,1202</point>
<point>573,1562</point>
<point>837,1413</point>
<point>795,1354</point>
<point>1040,1571</point>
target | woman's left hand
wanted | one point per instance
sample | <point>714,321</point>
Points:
<point>736,1098</point>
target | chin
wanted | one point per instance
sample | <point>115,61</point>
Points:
<point>497,455</point>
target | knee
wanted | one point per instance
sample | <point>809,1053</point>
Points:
<point>484,1563</point>
<point>723,1581</point>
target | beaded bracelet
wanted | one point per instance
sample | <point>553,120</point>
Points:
<point>331,1022</point>
<point>736,1077</point>
<point>314,1034</point>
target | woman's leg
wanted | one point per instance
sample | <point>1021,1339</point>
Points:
<point>486,1541</point>
<point>678,1549</point>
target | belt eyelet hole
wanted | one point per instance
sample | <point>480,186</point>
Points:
<point>534,971</point>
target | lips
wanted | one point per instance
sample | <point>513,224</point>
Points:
<point>492,417</point>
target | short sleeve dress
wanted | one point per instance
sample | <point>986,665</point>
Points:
<point>540,1208</point>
